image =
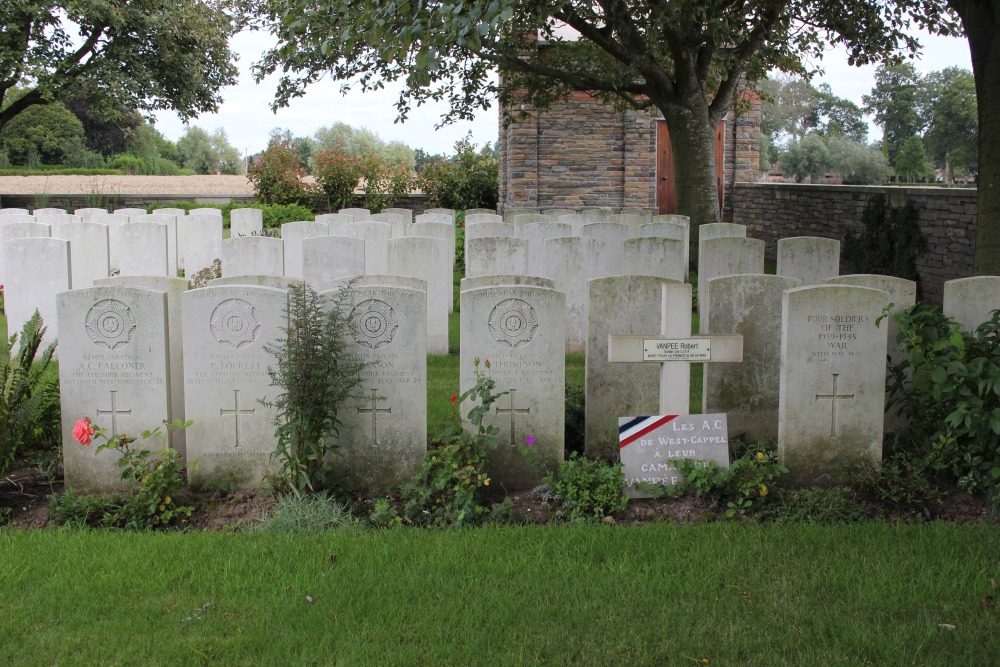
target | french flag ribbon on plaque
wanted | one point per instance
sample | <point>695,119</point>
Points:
<point>637,427</point>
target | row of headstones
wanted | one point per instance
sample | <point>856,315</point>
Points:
<point>609,248</point>
<point>81,254</point>
<point>140,350</point>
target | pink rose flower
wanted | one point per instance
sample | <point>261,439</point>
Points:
<point>82,431</point>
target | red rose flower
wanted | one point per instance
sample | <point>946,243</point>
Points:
<point>454,398</point>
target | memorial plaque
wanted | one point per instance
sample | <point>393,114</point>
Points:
<point>651,446</point>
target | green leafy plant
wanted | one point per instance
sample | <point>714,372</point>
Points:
<point>277,175</point>
<point>337,175</point>
<point>898,484</point>
<point>948,389</point>
<point>443,489</point>
<point>469,179</point>
<point>29,396</point>
<point>589,488</point>
<point>383,181</point>
<point>574,431</point>
<point>316,376</point>
<point>154,478</point>
<point>743,488</point>
<point>825,506</point>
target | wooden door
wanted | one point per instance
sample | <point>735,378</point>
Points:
<point>666,196</point>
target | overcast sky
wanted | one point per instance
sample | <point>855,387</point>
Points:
<point>247,118</point>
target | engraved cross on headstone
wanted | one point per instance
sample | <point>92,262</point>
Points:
<point>114,412</point>
<point>675,349</point>
<point>375,410</point>
<point>513,410</point>
<point>237,412</point>
<point>834,397</point>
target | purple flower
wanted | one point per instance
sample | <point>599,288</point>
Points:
<point>530,440</point>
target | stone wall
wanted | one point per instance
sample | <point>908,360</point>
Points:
<point>947,217</point>
<point>582,154</point>
<point>579,154</point>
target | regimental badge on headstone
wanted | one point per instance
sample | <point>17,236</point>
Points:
<point>651,446</point>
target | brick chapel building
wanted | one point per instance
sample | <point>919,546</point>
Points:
<point>584,154</point>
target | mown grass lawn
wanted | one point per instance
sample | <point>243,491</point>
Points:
<point>662,594</point>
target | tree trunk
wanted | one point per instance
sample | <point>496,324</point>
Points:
<point>692,139</point>
<point>979,17</point>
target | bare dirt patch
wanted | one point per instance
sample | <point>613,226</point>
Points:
<point>126,185</point>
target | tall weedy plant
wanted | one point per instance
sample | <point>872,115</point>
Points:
<point>27,392</point>
<point>316,376</point>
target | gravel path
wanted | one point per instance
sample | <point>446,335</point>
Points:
<point>125,185</point>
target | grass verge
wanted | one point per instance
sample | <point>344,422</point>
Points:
<point>662,594</point>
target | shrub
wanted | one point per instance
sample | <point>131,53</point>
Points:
<point>948,389</point>
<point>469,179</point>
<point>154,479</point>
<point>383,182</point>
<point>589,488</point>
<point>808,157</point>
<point>277,175</point>
<point>274,215</point>
<point>743,487</point>
<point>29,395</point>
<point>857,163</point>
<point>444,487</point>
<point>821,506</point>
<point>337,175</point>
<point>315,375</point>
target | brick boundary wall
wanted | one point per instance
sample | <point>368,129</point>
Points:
<point>947,217</point>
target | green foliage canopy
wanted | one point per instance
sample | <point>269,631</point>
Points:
<point>686,58</point>
<point>132,54</point>
<point>42,131</point>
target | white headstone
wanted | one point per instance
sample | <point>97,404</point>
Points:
<point>490,255</point>
<point>38,269</point>
<point>90,212</point>
<point>535,234</point>
<point>171,222</point>
<point>328,259</point>
<point>293,234</point>
<point>483,229</point>
<point>678,230</point>
<point>571,261</point>
<point>143,249</point>
<point>199,241</point>
<point>442,211</point>
<point>426,259</point>
<point>810,259</point>
<point>174,288</point>
<point>130,212</point>
<point>251,255</point>
<point>18,230</point>
<point>725,256</point>
<point>335,222</point>
<point>88,251</point>
<point>384,430</point>
<point>655,256</point>
<point>902,295</point>
<point>614,235</point>
<point>256,280</point>
<point>405,213</point>
<point>376,236</point>
<point>114,369</point>
<point>116,233</point>
<point>225,379</point>
<point>748,392</point>
<point>246,222</point>
<point>830,414</point>
<point>520,331</point>
<point>970,301</point>
<point>356,213</point>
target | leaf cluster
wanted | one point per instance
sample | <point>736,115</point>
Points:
<point>316,375</point>
<point>948,389</point>
<point>444,488</point>
<point>29,396</point>
<point>589,488</point>
<point>468,179</point>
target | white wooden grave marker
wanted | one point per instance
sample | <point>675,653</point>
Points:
<point>675,349</point>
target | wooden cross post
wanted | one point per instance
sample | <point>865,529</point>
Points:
<point>675,349</point>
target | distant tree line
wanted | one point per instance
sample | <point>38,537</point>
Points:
<point>929,128</point>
